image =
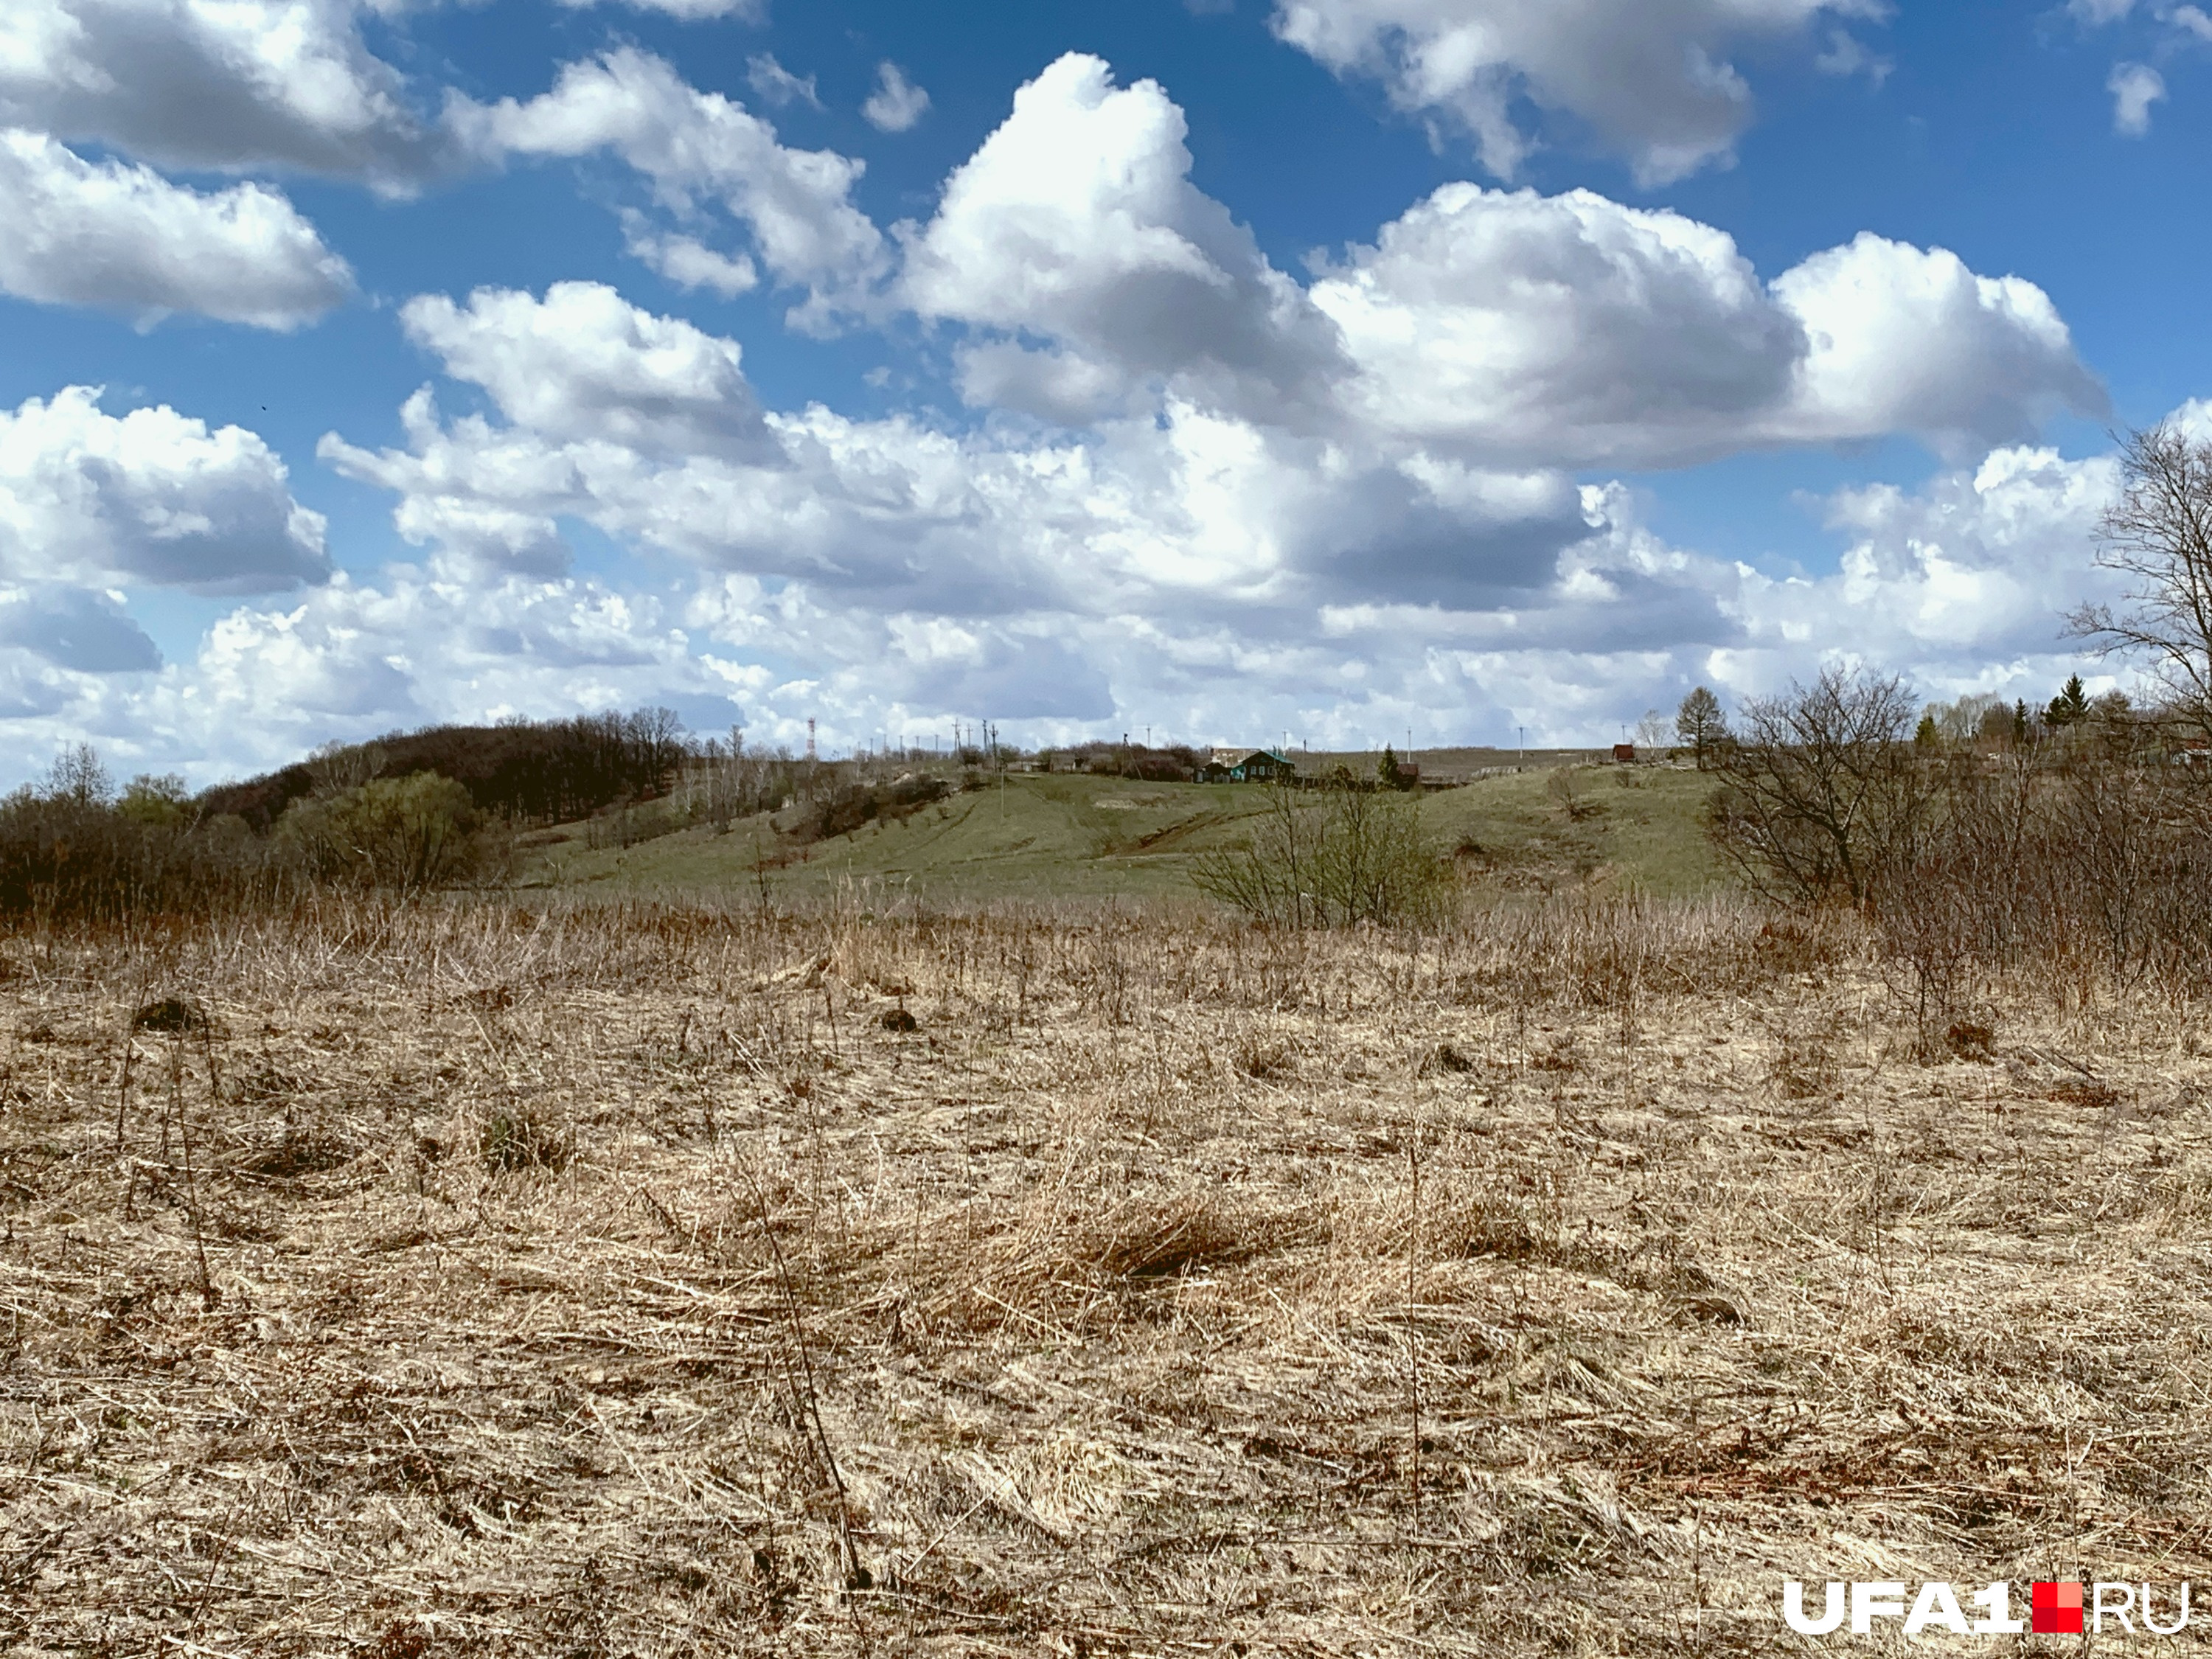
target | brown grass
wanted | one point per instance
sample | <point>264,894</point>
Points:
<point>612,1283</point>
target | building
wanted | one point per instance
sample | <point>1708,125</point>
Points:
<point>1247,766</point>
<point>1625,753</point>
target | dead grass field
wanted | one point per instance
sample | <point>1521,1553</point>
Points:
<point>624,1282</point>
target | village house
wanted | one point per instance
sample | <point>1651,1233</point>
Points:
<point>1247,766</point>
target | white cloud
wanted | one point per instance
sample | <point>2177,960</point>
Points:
<point>1906,339</point>
<point>229,84</point>
<point>583,364</point>
<point>1075,221</point>
<point>1201,569</point>
<point>1962,585</point>
<point>699,148</point>
<point>2134,88</point>
<point>776,86</point>
<point>1507,328</point>
<point>124,238</point>
<point>1201,579</point>
<point>1650,78</point>
<point>1564,328</point>
<point>151,497</point>
<point>1569,329</point>
<point>643,427</point>
<point>690,262</point>
<point>896,105</point>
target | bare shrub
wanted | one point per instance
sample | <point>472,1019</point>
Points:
<point>2080,860</point>
<point>1821,787</point>
<point>1334,857</point>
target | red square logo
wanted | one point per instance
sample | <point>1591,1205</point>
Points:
<point>2055,1609</point>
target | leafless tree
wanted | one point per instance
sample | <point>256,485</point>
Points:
<point>2159,534</point>
<point>1822,786</point>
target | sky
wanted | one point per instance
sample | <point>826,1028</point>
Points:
<point>1449,371</point>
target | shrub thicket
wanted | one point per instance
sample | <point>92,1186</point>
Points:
<point>1331,856</point>
<point>71,848</point>
<point>2083,848</point>
<point>406,834</point>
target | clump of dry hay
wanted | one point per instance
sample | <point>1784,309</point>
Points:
<point>622,1282</point>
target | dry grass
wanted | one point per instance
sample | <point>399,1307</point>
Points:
<point>469,1281</point>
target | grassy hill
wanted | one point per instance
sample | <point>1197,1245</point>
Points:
<point>1066,836</point>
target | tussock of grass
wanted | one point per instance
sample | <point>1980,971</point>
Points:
<point>620,1282</point>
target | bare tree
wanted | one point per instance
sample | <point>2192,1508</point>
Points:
<point>2159,534</point>
<point>1822,786</point>
<point>1699,725</point>
<point>337,767</point>
<point>80,777</point>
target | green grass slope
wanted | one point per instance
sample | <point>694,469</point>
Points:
<point>1068,836</point>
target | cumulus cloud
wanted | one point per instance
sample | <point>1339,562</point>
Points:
<point>230,84</point>
<point>644,428</point>
<point>699,149</point>
<point>1567,328</point>
<point>2134,88</point>
<point>896,105</point>
<point>150,498</point>
<point>1651,79</point>
<point>1092,279</point>
<point>1906,339</point>
<point>1338,507</point>
<point>584,364</point>
<point>1573,330</point>
<point>1077,222</point>
<point>1962,584</point>
<point>124,238</point>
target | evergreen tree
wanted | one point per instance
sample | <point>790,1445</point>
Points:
<point>1700,724</point>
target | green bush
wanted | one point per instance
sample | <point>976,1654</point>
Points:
<point>407,834</point>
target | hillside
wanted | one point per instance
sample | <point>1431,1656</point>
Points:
<point>1074,836</point>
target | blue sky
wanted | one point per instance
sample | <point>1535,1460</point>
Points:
<point>1340,367</point>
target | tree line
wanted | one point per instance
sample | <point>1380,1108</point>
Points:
<point>527,772</point>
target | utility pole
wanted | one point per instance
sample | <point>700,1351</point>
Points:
<point>810,739</point>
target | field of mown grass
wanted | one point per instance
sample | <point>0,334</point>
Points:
<point>640,1281</point>
<point>1073,836</point>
